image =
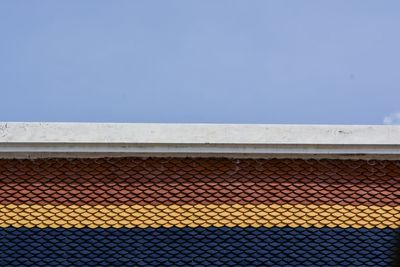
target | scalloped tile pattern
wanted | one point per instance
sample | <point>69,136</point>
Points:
<point>199,212</point>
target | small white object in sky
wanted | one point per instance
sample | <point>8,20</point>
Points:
<point>393,118</point>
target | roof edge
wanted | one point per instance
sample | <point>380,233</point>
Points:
<point>39,140</point>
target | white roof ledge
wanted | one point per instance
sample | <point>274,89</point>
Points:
<point>39,140</point>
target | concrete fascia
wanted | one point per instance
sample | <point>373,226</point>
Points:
<point>38,140</point>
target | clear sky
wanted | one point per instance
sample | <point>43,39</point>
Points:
<point>216,61</point>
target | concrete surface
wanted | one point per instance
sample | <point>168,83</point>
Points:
<point>30,140</point>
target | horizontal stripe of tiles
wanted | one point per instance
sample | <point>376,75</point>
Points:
<point>248,215</point>
<point>199,247</point>
<point>383,194</point>
<point>199,170</point>
<point>199,181</point>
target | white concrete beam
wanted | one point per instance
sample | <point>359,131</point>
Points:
<point>30,140</point>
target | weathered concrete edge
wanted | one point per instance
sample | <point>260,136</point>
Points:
<point>206,150</point>
<point>38,140</point>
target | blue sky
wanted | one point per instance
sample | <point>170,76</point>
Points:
<point>201,61</point>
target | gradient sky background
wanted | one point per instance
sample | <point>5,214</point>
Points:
<point>210,61</point>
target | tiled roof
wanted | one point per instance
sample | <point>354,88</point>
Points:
<point>199,212</point>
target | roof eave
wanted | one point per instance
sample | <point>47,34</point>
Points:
<point>71,140</point>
